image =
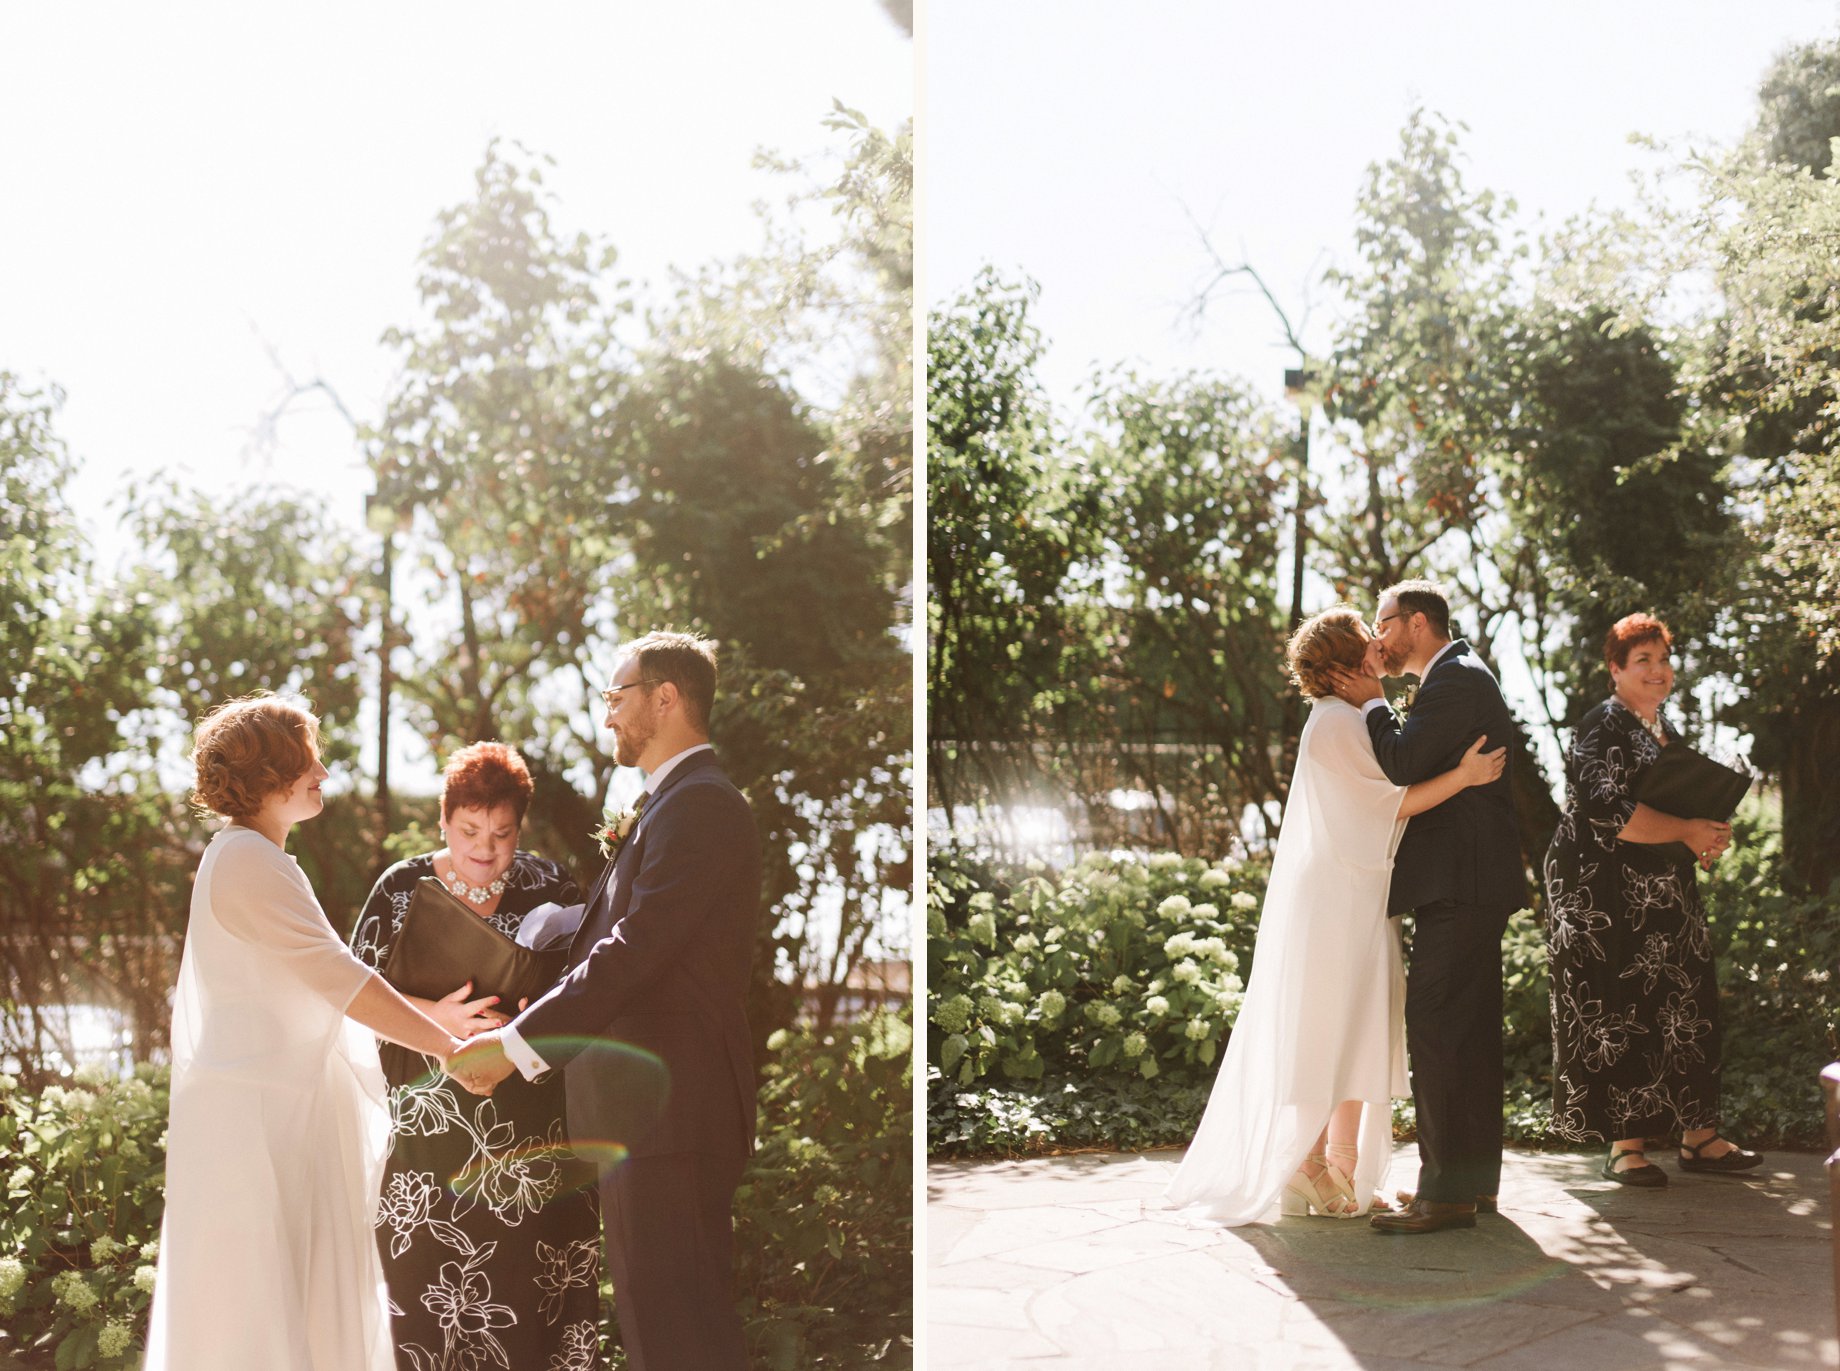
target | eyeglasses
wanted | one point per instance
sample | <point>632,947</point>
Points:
<point>1385,619</point>
<point>611,693</point>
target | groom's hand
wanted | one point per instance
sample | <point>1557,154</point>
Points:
<point>481,1064</point>
<point>1355,687</point>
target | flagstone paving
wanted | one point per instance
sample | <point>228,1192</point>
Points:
<point>1071,1262</point>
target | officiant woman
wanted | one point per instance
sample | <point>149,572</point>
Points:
<point>488,1235</point>
<point>1635,1006</point>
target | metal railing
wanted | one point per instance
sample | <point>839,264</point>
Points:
<point>1830,1087</point>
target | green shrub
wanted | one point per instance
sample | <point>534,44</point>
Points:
<point>1117,964</point>
<point>1040,982</point>
<point>84,1165</point>
<point>824,1217</point>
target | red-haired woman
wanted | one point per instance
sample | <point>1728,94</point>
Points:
<point>490,1243</point>
<point>276,1139</point>
<point>1635,1005</point>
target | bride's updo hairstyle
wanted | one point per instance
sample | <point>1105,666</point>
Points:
<point>1321,643</point>
<point>249,749</point>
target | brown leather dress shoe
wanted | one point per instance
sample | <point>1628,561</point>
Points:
<point>1427,1216</point>
<point>1485,1204</point>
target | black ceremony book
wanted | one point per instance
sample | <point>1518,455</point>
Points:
<point>442,945</point>
<point>1690,785</point>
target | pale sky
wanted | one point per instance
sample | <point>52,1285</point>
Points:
<point>1063,137</point>
<point>184,183</point>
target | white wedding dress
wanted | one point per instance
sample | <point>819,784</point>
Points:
<point>1323,1017</point>
<point>276,1141</point>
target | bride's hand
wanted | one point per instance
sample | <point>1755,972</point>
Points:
<point>1479,767</point>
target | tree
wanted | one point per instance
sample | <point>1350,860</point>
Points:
<point>1187,478</point>
<point>1771,219</point>
<point>1004,530</point>
<point>84,825</point>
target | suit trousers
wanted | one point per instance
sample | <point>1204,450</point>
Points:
<point>670,1252</point>
<point>1453,1035</point>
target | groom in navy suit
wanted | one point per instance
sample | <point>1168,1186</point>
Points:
<point>1459,871</point>
<point>650,1019</point>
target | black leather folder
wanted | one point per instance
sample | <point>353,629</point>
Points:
<point>442,945</point>
<point>1690,785</point>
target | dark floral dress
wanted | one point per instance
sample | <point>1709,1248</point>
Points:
<point>489,1228</point>
<point>1635,1003</point>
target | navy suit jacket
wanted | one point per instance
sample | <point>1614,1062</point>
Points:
<point>1466,851</point>
<point>661,964</point>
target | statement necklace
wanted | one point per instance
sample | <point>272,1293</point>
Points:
<point>1652,725</point>
<point>478,894</point>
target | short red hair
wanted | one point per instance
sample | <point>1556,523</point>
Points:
<point>1630,631</point>
<point>485,776</point>
<point>248,749</point>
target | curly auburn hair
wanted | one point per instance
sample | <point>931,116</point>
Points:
<point>1629,632</point>
<point>485,776</point>
<point>247,749</point>
<point>1334,638</point>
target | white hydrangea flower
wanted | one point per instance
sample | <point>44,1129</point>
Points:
<point>1134,1045</point>
<point>12,1276</point>
<point>73,1291</point>
<point>1156,1004</point>
<point>1186,972</point>
<point>1244,900</point>
<point>114,1338</point>
<point>104,1249</point>
<point>1174,907</point>
<point>144,1277</point>
<point>1197,1030</point>
<point>1120,984</point>
<point>1178,945</point>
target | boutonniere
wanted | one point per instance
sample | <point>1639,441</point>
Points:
<point>615,826</point>
<point>1402,704</point>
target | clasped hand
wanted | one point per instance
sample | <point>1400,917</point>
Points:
<point>480,1063</point>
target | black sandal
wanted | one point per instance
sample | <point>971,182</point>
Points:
<point>1648,1176</point>
<point>1738,1159</point>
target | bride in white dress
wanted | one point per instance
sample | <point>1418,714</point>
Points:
<point>1302,1105</point>
<point>278,1125</point>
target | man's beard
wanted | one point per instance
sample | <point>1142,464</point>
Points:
<point>629,745</point>
<point>1392,661</point>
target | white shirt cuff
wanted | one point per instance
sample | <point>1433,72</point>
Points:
<point>519,1054</point>
<point>1372,705</point>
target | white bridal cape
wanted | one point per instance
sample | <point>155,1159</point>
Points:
<point>276,1141</point>
<point>1323,1017</point>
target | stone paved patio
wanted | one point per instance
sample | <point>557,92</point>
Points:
<point>1068,1262</point>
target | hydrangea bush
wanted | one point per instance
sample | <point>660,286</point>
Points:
<point>79,1235</point>
<point>824,1230</point>
<point>1119,963</point>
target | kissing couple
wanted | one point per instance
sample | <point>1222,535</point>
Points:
<point>1384,817</point>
